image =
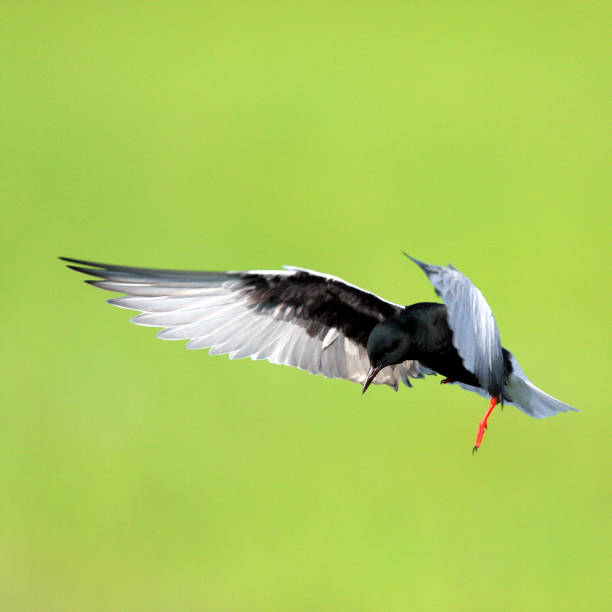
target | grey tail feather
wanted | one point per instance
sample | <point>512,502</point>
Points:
<point>530,399</point>
<point>533,401</point>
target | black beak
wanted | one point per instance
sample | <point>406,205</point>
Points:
<point>370,377</point>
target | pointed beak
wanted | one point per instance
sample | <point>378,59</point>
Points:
<point>370,377</point>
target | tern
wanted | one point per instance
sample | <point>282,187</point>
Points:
<point>324,325</point>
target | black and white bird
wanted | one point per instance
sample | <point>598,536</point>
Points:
<point>322,324</point>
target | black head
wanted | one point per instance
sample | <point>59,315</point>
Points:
<point>387,344</point>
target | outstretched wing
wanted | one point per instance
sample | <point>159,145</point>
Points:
<point>475,334</point>
<point>295,317</point>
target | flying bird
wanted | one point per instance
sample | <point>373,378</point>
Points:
<point>322,324</point>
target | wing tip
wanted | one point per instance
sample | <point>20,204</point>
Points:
<point>427,268</point>
<point>82,262</point>
<point>416,261</point>
<point>84,267</point>
<point>90,271</point>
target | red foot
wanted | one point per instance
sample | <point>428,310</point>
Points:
<point>483,425</point>
<point>447,381</point>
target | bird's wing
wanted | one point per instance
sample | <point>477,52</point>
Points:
<point>294,316</point>
<point>475,334</point>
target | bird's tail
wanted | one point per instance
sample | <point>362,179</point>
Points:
<point>528,398</point>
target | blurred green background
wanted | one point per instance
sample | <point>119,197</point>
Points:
<point>229,135</point>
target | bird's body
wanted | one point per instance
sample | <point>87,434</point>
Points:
<point>322,324</point>
<point>431,341</point>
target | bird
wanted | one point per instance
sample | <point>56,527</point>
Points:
<point>324,325</point>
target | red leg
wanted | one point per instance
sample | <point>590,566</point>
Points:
<point>447,381</point>
<point>483,425</point>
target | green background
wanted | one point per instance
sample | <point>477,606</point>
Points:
<point>137,475</point>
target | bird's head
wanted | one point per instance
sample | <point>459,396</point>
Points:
<point>387,345</point>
